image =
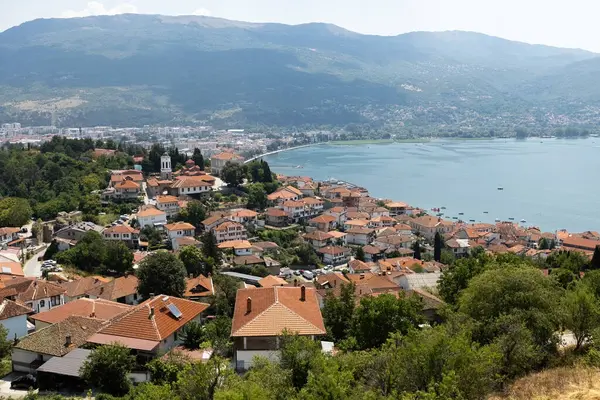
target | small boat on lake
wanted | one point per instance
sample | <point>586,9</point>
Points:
<point>497,219</point>
<point>511,219</point>
<point>471,220</point>
<point>443,208</point>
<point>523,221</point>
<point>500,188</point>
<point>485,212</point>
<point>461,213</point>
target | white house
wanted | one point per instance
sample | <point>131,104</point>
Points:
<point>180,229</point>
<point>218,161</point>
<point>8,235</point>
<point>168,204</point>
<point>335,255</point>
<point>360,236</point>
<point>230,230</point>
<point>13,317</point>
<point>123,233</point>
<point>151,216</point>
<point>190,185</point>
<point>39,295</point>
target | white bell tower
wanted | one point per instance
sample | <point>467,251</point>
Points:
<point>166,173</point>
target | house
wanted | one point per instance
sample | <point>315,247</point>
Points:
<point>295,210</point>
<point>190,185</point>
<point>199,288</point>
<point>578,243</point>
<point>91,308</point>
<point>54,340</point>
<point>244,216</point>
<point>262,315</point>
<point>360,236</point>
<point>459,247</point>
<point>339,213</point>
<point>153,327</point>
<point>428,226</point>
<point>270,281</point>
<point>209,223</point>
<point>76,232</point>
<point>248,260</point>
<point>78,288</point>
<point>127,189</point>
<point>318,239</point>
<point>230,230</point>
<point>10,269</point>
<point>397,208</point>
<point>331,280</point>
<point>358,267</point>
<point>130,174</point>
<point>382,221</point>
<point>281,195</point>
<point>218,161</point>
<point>181,242</point>
<point>36,294</point>
<point>335,255</point>
<point>356,223</point>
<point>403,229</point>
<point>168,204</point>
<point>323,222</point>
<point>418,281</point>
<point>339,238</point>
<point>372,253</point>
<point>239,247</point>
<point>123,233</point>
<point>313,206</point>
<point>277,217</point>
<point>180,229</point>
<point>13,317</point>
<point>151,216</point>
<point>122,290</point>
<point>8,235</point>
<point>394,242</point>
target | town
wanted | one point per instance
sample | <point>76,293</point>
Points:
<point>212,259</point>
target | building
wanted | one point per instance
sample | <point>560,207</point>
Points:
<point>75,232</point>
<point>218,161</point>
<point>262,315</point>
<point>239,247</point>
<point>123,233</point>
<point>318,239</point>
<point>13,317</point>
<point>8,235</point>
<point>578,243</point>
<point>244,216</point>
<point>153,327</point>
<point>179,230</point>
<point>199,288</point>
<point>187,186</point>
<point>36,294</point>
<point>358,267</point>
<point>127,190</point>
<point>428,226</point>
<point>271,280</point>
<point>78,288</point>
<point>166,172</point>
<point>230,230</point>
<point>397,208</point>
<point>184,241</point>
<point>335,255</point>
<point>52,341</point>
<point>360,236</point>
<point>168,204</point>
<point>91,308</point>
<point>281,195</point>
<point>122,290</point>
<point>459,247</point>
<point>151,216</point>
<point>295,210</point>
<point>323,222</point>
<point>277,217</point>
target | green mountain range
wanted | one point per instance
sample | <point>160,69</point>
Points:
<point>131,70</point>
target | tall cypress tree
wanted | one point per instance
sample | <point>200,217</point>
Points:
<point>595,264</point>
<point>417,250</point>
<point>437,247</point>
<point>267,175</point>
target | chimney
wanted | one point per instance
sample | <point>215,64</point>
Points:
<point>151,312</point>
<point>248,305</point>
<point>68,341</point>
<point>93,314</point>
<point>335,283</point>
<point>295,282</point>
<point>191,276</point>
<point>362,276</point>
<point>302,293</point>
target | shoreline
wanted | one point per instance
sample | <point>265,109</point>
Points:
<point>280,150</point>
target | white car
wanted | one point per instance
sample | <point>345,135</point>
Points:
<point>308,275</point>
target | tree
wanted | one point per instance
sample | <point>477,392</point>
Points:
<point>193,335</point>
<point>595,263</point>
<point>217,332</point>
<point>107,367</point>
<point>226,289</point>
<point>198,159</point>
<point>298,353</point>
<point>457,277</point>
<point>417,249</point>
<point>257,197</point>
<point>166,369</point>
<point>14,212</point>
<point>88,255</point>
<point>574,261</point>
<point>192,259</point>
<point>267,175</point>
<point>194,213</point>
<point>119,258</point>
<point>360,254</point>
<point>152,236</point>
<point>233,174</point>
<point>210,248</point>
<point>5,342</point>
<point>201,381</point>
<point>376,317</point>
<point>543,244</point>
<point>161,273</point>
<point>438,245</point>
<point>580,313</point>
<point>339,311</point>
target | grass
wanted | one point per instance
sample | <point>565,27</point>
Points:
<point>107,219</point>
<point>5,366</point>
<point>564,383</point>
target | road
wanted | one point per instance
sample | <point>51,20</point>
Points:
<point>33,267</point>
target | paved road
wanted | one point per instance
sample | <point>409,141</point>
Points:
<point>33,267</point>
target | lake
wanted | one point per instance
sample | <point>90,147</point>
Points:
<point>551,183</point>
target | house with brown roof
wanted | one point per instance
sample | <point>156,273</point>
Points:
<point>54,340</point>
<point>360,236</point>
<point>168,204</point>
<point>10,269</point>
<point>239,247</point>
<point>218,161</point>
<point>123,233</point>
<point>8,235</point>
<point>151,216</point>
<point>39,295</point>
<point>579,243</point>
<point>230,230</point>
<point>153,327</point>
<point>78,288</point>
<point>272,280</point>
<point>331,280</point>
<point>276,217</point>
<point>335,255</point>
<point>190,185</point>
<point>199,288</point>
<point>459,247</point>
<point>323,222</point>
<point>127,189</point>
<point>181,242</point>
<point>104,310</point>
<point>122,290</point>
<point>215,219</point>
<point>296,210</point>
<point>180,229</point>
<point>13,317</point>
<point>244,216</point>
<point>428,226</point>
<point>394,242</point>
<point>358,267</point>
<point>318,239</point>
<point>262,315</point>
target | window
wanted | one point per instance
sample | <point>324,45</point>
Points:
<point>42,303</point>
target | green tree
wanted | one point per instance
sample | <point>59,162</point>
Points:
<point>14,212</point>
<point>226,289</point>
<point>543,244</point>
<point>194,213</point>
<point>257,197</point>
<point>376,317</point>
<point>438,245</point>
<point>107,367</point>
<point>193,335</point>
<point>5,343</point>
<point>233,174</point>
<point>198,158</point>
<point>166,369</point>
<point>298,354</point>
<point>339,311</point>
<point>118,257</point>
<point>210,248</point>
<point>417,249</point>
<point>360,254</point>
<point>201,381</point>
<point>161,273</point>
<point>580,313</point>
<point>192,259</point>
<point>152,236</point>
<point>457,277</point>
<point>574,261</point>
<point>218,332</point>
<point>595,263</point>
<point>88,255</point>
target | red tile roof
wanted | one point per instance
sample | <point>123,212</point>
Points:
<point>200,286</point>
<point>90,308</point>
<point>10,309</point>
<point>113,290</point>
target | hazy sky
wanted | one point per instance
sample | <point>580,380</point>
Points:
<point>566,23</point>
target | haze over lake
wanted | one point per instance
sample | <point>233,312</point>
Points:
<point>551,183</point>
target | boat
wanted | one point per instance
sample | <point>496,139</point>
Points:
<point>298,166</point>
<point>461,213</point>
<point>454,217</point>
<point>497,219</point>
<point>500,188</point>
<point>439,214</point>
<point>443,208</point>
<point>471,220</point>
<point>511,219</point>
<point>523,221</point>
<point>485,212</point>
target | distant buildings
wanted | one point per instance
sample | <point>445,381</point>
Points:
<point>218,161</point>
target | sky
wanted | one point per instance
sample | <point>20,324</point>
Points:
<point>562,23</point>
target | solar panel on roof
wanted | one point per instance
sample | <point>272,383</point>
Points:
<point>6,270</point>
<point>175,311</point>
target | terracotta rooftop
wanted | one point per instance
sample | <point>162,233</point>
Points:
<point>180,226</point>
<point>226,156</point>
<point>266,245</point>
<point>191,181</point>
<point>235,244</point>
<point>120,229</point>
<point>332,279</point>
<point>276,309</point>
<point>11,268</point>
<point>166,199</point>
<point>333,250</point>
<point>149,212</point>
<point>248,260</point>
<point>113,290</point>
<point>323,219</point>
<point>226,225</point>
<point>10,309</point>
<point>9,231</point>
<point>127,184</point>
<point>359,266</point>
<point>80,286</point>
<point>244,213</point>
<point>27,289</point>
<point>200,286</point>
<point>318,235</point>
<point>90,308</point>
<point>271,280</point>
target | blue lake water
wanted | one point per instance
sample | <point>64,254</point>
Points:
<point>551,183</point>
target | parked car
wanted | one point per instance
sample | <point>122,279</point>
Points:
<point>297,273</point>
<point>308,275</point>
<point>24,382</point>
<point>124,217</point>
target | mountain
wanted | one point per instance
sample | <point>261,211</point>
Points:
<point>144,69</point>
